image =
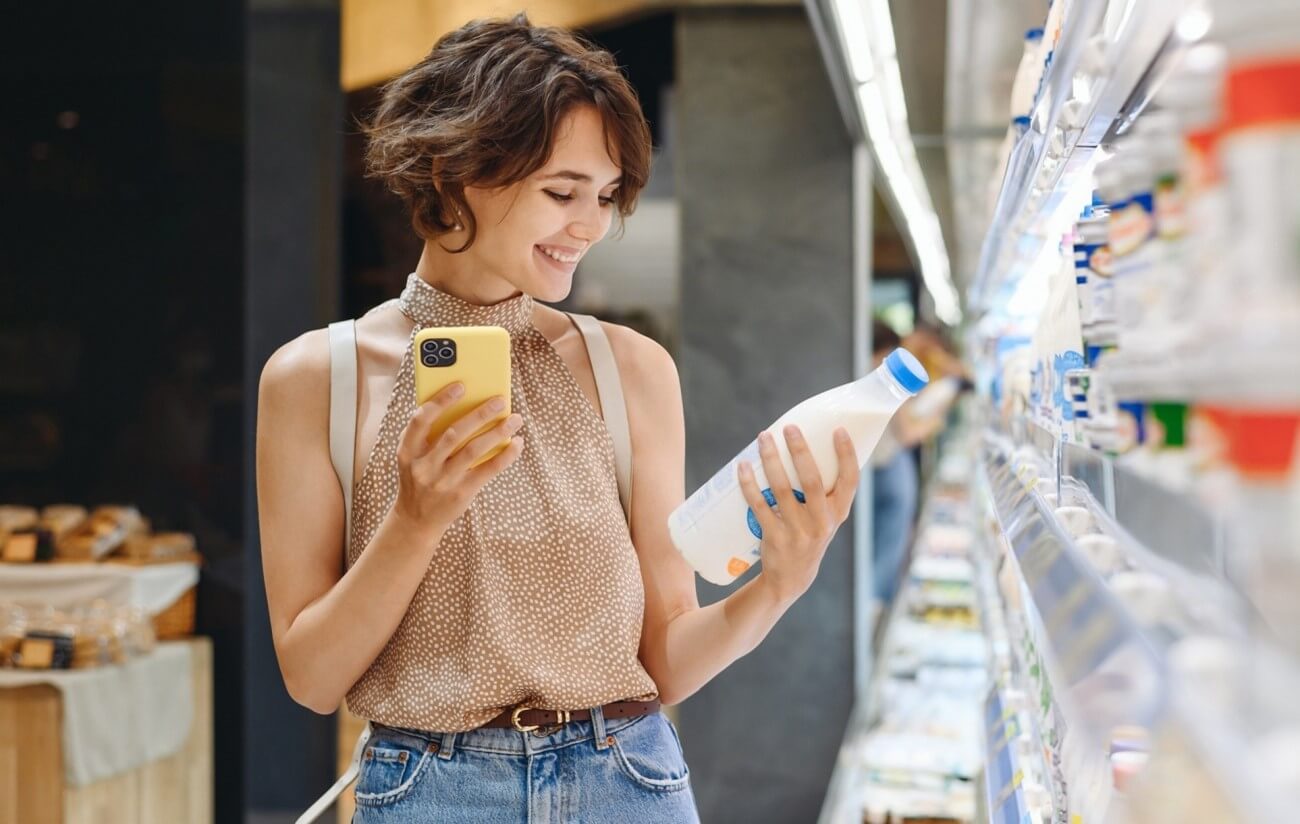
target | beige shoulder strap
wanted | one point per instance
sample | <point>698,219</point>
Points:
<point>612,403</point>
<point>343,411</point>
<point>343,433</point>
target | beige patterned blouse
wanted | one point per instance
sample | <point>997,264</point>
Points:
<point>534,597</point>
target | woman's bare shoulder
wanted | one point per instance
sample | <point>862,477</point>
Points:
<point>301,365</point>
<point>643,362</point>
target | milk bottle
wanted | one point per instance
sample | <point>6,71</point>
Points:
<point>715,529</point>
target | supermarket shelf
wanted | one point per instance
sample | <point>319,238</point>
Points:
<point>842,804</point>
<point>842,794</point>
<point>1169,523</point>
<point>1137,56</point>
<point>885,717</point>
<point>1231,746</point>
<point>1110,673</point>
<point>1004,796</point>
<point>1234,750</point>
<point>1261,376</point>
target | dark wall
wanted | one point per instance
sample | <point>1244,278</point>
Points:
<point>121,261</point>
<point>764,173</point>
<point>294,134</point>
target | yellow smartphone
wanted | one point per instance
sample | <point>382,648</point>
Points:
<point>478,357</point>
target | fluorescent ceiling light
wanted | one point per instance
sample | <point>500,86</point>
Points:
<point>853,31</point>
<point>867,35</point>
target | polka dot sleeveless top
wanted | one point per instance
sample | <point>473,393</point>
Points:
<point>534,596</point>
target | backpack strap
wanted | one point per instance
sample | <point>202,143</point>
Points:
<point>343,412</point>
<point>609,387</point>
<point>331,795</point>
<point>343,433</point>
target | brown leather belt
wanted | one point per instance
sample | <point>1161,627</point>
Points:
<point>526,719</point>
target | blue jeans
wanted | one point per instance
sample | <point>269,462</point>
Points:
<point>894,496</point>
<point>589,772</point>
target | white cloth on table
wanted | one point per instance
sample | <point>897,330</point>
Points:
<point>117,718</point>
<point>153,587</point>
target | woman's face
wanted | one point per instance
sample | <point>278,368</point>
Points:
<point>561,211</point>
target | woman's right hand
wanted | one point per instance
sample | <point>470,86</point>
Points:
<point>435,484</point>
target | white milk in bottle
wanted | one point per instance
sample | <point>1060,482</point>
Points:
<point>715,529</point>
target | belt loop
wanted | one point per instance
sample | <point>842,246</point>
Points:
<point>447,746</point>
<point>598,728</point>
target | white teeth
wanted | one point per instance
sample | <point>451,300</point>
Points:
<point>562,258</point>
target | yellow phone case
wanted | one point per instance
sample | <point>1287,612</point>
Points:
<point>478,357</point>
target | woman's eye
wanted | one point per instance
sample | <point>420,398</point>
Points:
<point>563,198</point>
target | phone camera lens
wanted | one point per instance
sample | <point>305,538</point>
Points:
<point>446,352</point>
<point>430,346</point>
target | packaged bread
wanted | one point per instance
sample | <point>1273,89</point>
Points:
<point>13,626</point>
<point>28,545</point>
<point>103,533</point>
<point>14,518</point>
<point>17,517</point>
<point>127,517</point>
<point>161,547</point>
<point>62,519</point>
<point>46,649</point>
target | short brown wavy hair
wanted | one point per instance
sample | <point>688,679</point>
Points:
<point>482,110</point>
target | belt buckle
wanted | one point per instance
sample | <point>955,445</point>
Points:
<point>538,729</point>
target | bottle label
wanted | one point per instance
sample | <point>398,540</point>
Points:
<point>1132,225</point>
<point>752,519</point>
<point>1170,208</point>
<point>722,483</point>
<point>1094,261</point>
<point>1132,235</point>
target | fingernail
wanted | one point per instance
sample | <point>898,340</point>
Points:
<point>765,437</point>
<point>497,405</point>
<point>792,433</point>
<point>515,421</point>
<point>457,389</point>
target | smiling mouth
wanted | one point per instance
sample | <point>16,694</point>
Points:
<point>566,258</point>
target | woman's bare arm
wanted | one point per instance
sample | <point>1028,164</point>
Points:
<point>328,626</point>
<point>683,645</point>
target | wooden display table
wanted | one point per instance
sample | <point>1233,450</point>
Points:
<point>33,789</point>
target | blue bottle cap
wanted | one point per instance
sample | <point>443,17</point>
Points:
<point>1034,34</point>
<point>907,370</point>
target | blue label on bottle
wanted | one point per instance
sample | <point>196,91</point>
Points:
<point>1061,364</point>
<point>771,502</point>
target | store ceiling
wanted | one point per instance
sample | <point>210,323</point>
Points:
<point>382,37</point>
<point>957,59</point>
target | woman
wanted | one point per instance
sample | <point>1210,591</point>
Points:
<point>508,633</point>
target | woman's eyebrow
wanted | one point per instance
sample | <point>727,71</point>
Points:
<point>579,176</point>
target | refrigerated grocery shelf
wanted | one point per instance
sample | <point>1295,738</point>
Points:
<point>1107,78</point>
<point>1083,622</point>
<point>1078,655</point>
<point>1170,523</point>
<point>1256,376</point>
<point>930,668</point>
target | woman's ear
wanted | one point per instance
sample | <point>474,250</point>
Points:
<point>450,213</point>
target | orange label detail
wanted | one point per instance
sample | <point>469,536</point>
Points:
<point>736,566</point>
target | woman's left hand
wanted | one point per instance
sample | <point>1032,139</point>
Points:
<point>796,537</point>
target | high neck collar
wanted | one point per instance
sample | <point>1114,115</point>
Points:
<point>428,306</point>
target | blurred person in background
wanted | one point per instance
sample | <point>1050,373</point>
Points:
<point>895,481</point>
